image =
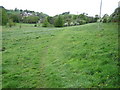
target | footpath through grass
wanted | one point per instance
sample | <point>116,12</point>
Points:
<point>79,56</point>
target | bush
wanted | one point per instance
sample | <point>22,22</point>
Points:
<point>46,23</point>
<point>81,22</point>
<point>59,22</point>
<point>11,23</point>
<point>104,20</point>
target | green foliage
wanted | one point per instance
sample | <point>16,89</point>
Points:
<point>80,19</point>
<point>25,16</point>
<point>11,23</point>
<point>116,15</point>
<point>105,18</point>
<point>4,16</point>
<point>59,22</point>
<point>46,23</point>
<point>82,16</point>
<point>96,18</point>
<point>65,13</point>
<point>42,15</point>
<point>90,20</point>
<point>50,20</point>
<point>15,17</point>
<point>81,22</point>
<point>75,17</point>
<point>64,19</point>
<point>31,19</point>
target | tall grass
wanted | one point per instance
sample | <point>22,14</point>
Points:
<point>70,57</point>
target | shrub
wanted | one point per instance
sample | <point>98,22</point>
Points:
<point>59,22</point>
<point>66,24</point>
<point>81,22</point>
<point>46,23</point>
<point>104,20</point>
<point>11,23</point>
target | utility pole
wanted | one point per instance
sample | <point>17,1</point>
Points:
<point>99,25</point>
<point>100,8</point>
<point>77,12</point>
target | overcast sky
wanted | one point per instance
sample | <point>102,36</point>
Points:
<point>53,7</point>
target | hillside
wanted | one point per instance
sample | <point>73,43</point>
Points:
<point>77,56</point>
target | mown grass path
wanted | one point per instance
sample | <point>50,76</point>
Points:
<point>80,56</point>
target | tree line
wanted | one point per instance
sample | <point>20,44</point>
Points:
<point>10,17</point>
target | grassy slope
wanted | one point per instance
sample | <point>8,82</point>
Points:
<point>79,56</point>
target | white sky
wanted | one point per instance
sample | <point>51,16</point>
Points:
<point>53,7</point>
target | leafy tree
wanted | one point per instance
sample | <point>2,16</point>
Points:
<point>90,19</point>
<point>50,20</point>
<point>11,23</point>
<point>96,18</point>
<point>75,17</point>
<point>46,23</point>
<point>16,9</point>
<point>4,16</point>
<point>81,16</point>
<point>21,10</point>
<point>42,15</point>
<point>59,22</point>
<point>105,18</point>
<point>65,13</point>
<point>116,15</point>
<point>15,17</point>
<point>68,18</point>
<point>31,19</point>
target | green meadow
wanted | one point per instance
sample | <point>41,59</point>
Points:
<point>68,57</point>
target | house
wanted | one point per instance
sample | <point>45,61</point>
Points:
<point>25,14</point>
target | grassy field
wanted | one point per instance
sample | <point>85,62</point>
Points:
<point>78,56</point>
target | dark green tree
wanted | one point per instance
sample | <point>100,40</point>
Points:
<point>65,13</point>
<point>50,20</point>
<point>59,22</point>
<point>15,17</point>
<point>75,17</point>
<point>96,18</point>
<point>16,10</point>
<point>11,23</point>
<point>105,18</point>
<point>46,23</point>
<point>115,16</point>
